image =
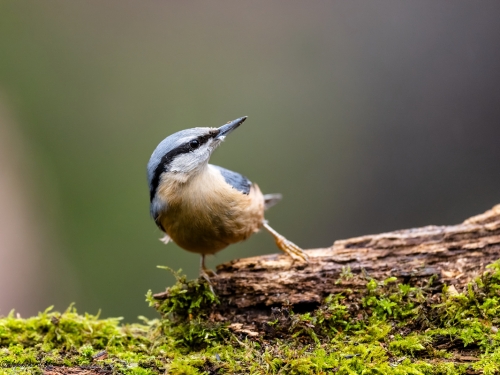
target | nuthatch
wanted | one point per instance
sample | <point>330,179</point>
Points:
<point>202,207</point>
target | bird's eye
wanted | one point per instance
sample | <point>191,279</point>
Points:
<point>194,144</point>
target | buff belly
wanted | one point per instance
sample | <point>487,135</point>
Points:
<point>216,215</point>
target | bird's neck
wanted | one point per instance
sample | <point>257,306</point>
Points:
<point>174,186</point>
<point>183,178</point>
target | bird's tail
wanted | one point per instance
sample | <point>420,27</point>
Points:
<point>271,199</point>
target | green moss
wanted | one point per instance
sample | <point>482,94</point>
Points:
<point>410,344</point>
<point>186,299</point>
<point>185,313</point>
<point>389,328</point>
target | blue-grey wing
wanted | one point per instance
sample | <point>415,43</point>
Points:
<point>236,180</point>
<point>155,209</point>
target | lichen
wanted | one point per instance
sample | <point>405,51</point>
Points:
<point>388,328</point>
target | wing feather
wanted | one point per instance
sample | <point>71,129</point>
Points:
<point>236,180</point>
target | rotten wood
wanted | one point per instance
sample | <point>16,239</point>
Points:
<point>454,254</point>
<point>250,288</point>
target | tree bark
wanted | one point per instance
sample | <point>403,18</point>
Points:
<point>249,288</point>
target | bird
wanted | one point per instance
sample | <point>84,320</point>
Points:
<point>202,207</point>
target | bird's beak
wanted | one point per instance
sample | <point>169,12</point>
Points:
<point>229,127</point>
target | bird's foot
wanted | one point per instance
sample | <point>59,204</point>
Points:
<point>287,246</point>
<point>208,272</point>
<point>204,275</point>
<point>165,239</point>
<point>291,249</point>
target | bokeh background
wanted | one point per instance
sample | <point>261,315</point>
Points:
<point>368,116</point>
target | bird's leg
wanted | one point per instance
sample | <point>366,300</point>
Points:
<point>204,269</point>
<point>204,272</point>
<point>202,263</point>
<point>286,246</point>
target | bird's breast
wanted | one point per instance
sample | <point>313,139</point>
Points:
<point>206,214</point>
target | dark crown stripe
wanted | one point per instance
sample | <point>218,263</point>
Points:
<point>169,157</point>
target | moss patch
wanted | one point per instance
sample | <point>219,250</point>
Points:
<point>390,328</point>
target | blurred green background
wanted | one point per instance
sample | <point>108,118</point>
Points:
<point>366,116</point>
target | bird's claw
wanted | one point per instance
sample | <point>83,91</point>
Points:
<point>165,239</point>
<point>291,249</point>
<point>204,275</point>
<point>286,246</point>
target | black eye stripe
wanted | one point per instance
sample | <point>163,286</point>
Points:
<point>167,159</point>
<point>204,138</point>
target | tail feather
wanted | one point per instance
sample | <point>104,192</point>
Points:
<point>271,199</point>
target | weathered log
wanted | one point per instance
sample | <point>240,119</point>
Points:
<point>251,290</point>
<point>451,254</point>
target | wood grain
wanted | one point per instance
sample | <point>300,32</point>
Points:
<point>454,254</point>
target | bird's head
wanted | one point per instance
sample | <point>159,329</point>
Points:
<point>185,153</point>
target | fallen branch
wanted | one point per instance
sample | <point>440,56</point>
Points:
<point>372,304</point>
<point>250,287</point>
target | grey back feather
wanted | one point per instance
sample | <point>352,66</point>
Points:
<point>236,180</point>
